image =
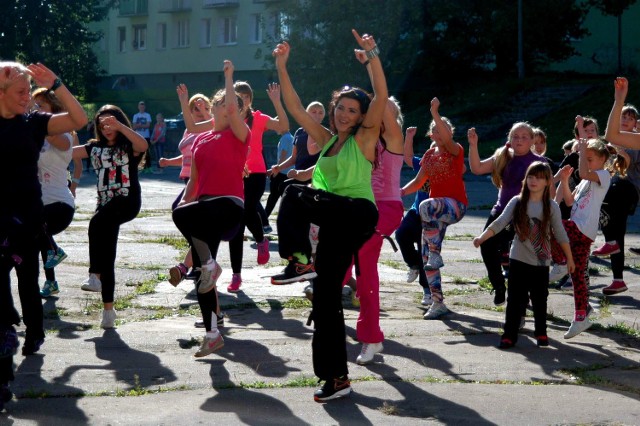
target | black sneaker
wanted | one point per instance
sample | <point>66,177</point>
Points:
<point>333,389</point>
<point>220,322</point>
<point>5,395</point>
<point>506,344</point>
<point>295,272</point>
<point>31,346</point>
<point>8,341</point>
<point>542,341</point>
<point>499,296</point>
<point>634,250</point>
<point>193,275</point>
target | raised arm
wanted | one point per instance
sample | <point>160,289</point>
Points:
<point>477,166</point>
<point>138,143</point>
<point>238,126</point>
<point>291,99</point>
<point>408,145</point>
<point>613,133</point>
<point>75,117</point>
<point>369,132</point>
<point>189,122</point>
<point>443,130</point>
<point>281,123</point>
<point>416,183</point>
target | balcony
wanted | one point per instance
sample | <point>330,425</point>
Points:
<point>171,6</point>
<point>133,8</point>
<point>211,4</point>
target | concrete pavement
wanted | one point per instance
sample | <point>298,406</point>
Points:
<point>441,372</point>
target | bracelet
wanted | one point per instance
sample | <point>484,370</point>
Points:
<point>75,180</point>
<point>56,83</point>
<point>373,52</point>
<point>365,63</point>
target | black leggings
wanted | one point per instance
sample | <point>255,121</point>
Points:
<point>276,188</point>
<point>211,221</point>
<point>491,251</point>
<point>254,186</point>
<point>104,229</point>
<point>619,203</point>
<point>57,217</point>
<point>345,225</point>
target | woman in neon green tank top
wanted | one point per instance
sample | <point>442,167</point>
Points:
<point>341,203</point>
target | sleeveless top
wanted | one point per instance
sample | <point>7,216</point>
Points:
<point>385,179</point>
<point>347,173</point>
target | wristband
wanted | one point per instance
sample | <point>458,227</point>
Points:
<point>75,180</point>
<point>373,52</point>
<point>56,83</point>
<point>365,63</point>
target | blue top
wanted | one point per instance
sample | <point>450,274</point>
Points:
<point>285,144</point>
<point>422,193</point>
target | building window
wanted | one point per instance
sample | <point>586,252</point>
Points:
<point>122,39</point>
<point>162,36</point>
<point>139,37</point>
<point>256,28</point>
<point>228,32</point>
<point>277,26</point>
<point>205,33</point>
<point>182,33</point>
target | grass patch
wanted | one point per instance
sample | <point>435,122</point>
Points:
<point>56,313</point>
<point>394,264</point>
<point>479,306</point>
<point>179,243</point>
<point>620,328</point>
<point>153,213</point>
<point>297,303</point>
<point>460,237</point>
<point>460,291</point>
<point>485,284</point>
<point>299,382</point>
<point>472,261</point>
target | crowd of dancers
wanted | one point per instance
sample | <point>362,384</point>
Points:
<point>341,197</point>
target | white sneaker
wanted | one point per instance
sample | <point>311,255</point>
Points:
<point>413,274</point>
<point>558,271</point>
<point>577,327</point>
<point>436,310</point>
<point>108,319</point>
<point>368,351</point>
<point>209,346</point>
<point>426,300</point>
<point>92,283</point>
<point>209,275</point>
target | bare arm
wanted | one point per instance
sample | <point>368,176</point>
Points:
<point>477,166</point>
<point>281,123</point>
<point>613,133</point>
<point>304,175</point>
<point>175,161</point>
<point>138,143</point>
<point>238,126</point>
<point>189,122</point>
<point>291,99</point>
<point>443,130</point>
<point>75,117</point>
<point>416,183</point>
<point>408,146</point>
<point>583,167</point>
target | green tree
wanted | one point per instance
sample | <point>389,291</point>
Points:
<point>614,8</point>
<point>56,33</point>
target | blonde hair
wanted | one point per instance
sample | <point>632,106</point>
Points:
<point>316,104</point>
<point>10,72</point>
<point>503,155</point>
<point>446,121</point>
<point>398,114</point>
<point>194,98</point>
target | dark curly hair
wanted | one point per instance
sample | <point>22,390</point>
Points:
<point>355,93</point>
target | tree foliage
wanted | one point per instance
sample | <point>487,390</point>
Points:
<point>56,33</point>
<point>612,7</point>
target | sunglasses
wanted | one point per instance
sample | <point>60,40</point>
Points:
<point>360,94</point>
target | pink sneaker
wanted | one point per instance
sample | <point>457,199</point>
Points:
<point>606,249</point>
<point>615,288</point>
<point>263,252</point>
<point>236,282</point>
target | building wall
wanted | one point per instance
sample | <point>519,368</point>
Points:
<point>599,51</point>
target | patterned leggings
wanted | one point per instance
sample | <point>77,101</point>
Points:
<point>580,245</point>
<point>437,214</point>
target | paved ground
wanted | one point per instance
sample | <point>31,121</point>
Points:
<point>442,372</point>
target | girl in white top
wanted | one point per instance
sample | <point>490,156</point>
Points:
<point>59,203</point>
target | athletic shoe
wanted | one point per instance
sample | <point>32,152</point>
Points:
<point>523,321</point>
<point>267,229</point>
<point>558,271</point>
<point>413,274</point>
<point>499,296</point>
<point>504,258</point>
<point>295,272</point>
<point>436,310</point>
<point>49,288</point>
<point>577,327</point>
<point>434,262</point>
<point>606,249</point>
<point>193,275</point>
<point>108,319</point>
<point>506,344</point>
<point>54,257</point>
<point>426,299</point>
<point>236,282</point>
<point>209,275</point>
<point>542,341</point>
<point>220,322</point>
<point>209,346</point>
<point>308,291</point>
<point>8,341</point>
<point>177,274</point>
<point>92,283</point>
<point>263,252</point>
<point>617,286</point>
<point>5,395</point>
<point>368,351</point>
<point>31,346</point>
<point>333,389</point>
<point>635,250</point>
<point>567,286</point>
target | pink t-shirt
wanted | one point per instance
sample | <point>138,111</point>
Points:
<point>445,174</point>
<point>219,158</point>
<point>255,162</point>
<point>385,178</point>
<point>185,145</point>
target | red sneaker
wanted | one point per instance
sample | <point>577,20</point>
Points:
<point>606,249</point>
<point>236,282</point>
<point>615,288</point>
<point>263,252</point>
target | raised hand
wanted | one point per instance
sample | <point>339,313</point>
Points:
<point>42,75</point>
<point>273,90</point>
<point>281,53</point>
<point>183,93</point>
<point>366,41</point>
<point>621,86</point>
<point>565,172</point>
<point>361,56</point>
<point>411,132</point>
<point>472,137</point>
<point>111,123</point>
<point>228,68</point>
<point>580,121</point>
